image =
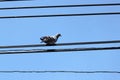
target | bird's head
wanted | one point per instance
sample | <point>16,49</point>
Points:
<point>58,35</point>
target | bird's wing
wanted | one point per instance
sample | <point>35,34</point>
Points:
<point>47,39</point>
<point>50,39</point>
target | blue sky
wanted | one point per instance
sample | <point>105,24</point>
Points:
<point>73,29</point>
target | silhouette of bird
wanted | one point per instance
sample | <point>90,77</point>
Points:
<point>50,40</point>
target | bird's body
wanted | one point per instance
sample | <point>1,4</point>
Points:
<point>50,40</point>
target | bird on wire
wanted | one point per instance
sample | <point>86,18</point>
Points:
<point>50,40</point>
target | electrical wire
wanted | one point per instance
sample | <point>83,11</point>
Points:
<point>59,50</point>
<point>62,44</point>
<point>61,15</point>
<point>62,6</point>
<point>38,71</point>
<point>11,0</point>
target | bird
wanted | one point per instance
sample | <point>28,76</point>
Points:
<point>50,40</point>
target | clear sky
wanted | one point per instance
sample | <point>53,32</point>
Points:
<point>73,29</point>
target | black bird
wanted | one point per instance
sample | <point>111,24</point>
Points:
<point>50,40</point>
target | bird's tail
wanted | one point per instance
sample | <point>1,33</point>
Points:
<point>41,40</point>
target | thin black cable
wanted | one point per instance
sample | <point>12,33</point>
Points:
<point>20,50</point>
<point>62,44</point>
<point>11,0</point>
<point>62,6</point>
<point>38,71</point>
<point>59,50</point>
<point>61,15</point>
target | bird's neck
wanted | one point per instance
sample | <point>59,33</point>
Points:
<point>56,37</point>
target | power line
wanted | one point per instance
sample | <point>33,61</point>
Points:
<point>58,50</point>
<point>11,0</point>
<point>62,44</point>
<point>61,15</point>
<point>62,6</point>
<point>38,71</point>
